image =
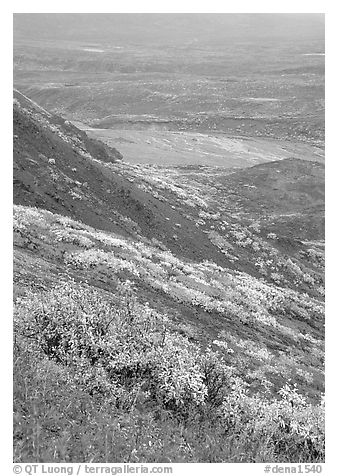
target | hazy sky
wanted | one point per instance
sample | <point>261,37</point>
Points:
<point>166,28</point>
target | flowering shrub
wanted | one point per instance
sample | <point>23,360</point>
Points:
<point>92,258</point>
<point>277,277</point>
<point>296,429</point>
<point>122,353</point>
<point>223,345</point>
<point>272,236</point>
<point>256,227</point>
<point>307,278</point>
<point>108,345</point>
<point>76,194</point>
<point>255,246</point>
<point>204,285</point>
<point>77,239</point>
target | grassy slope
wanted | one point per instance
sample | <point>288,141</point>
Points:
<point>224,274</point>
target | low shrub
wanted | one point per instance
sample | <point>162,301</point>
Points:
<point>102,379</point>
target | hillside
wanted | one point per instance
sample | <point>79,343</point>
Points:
<point>185,300</point>
<point>56,167</point>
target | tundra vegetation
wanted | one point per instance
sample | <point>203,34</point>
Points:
<point>169,295</point>
<point>107,376</point>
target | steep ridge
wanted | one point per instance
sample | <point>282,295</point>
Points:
<point>57,167</point>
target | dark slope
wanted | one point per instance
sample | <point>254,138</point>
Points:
<point>58,168</point>
<point>39,118</point>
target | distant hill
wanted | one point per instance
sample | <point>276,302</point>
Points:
<point>289,193</point>
<point>283,185</point>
